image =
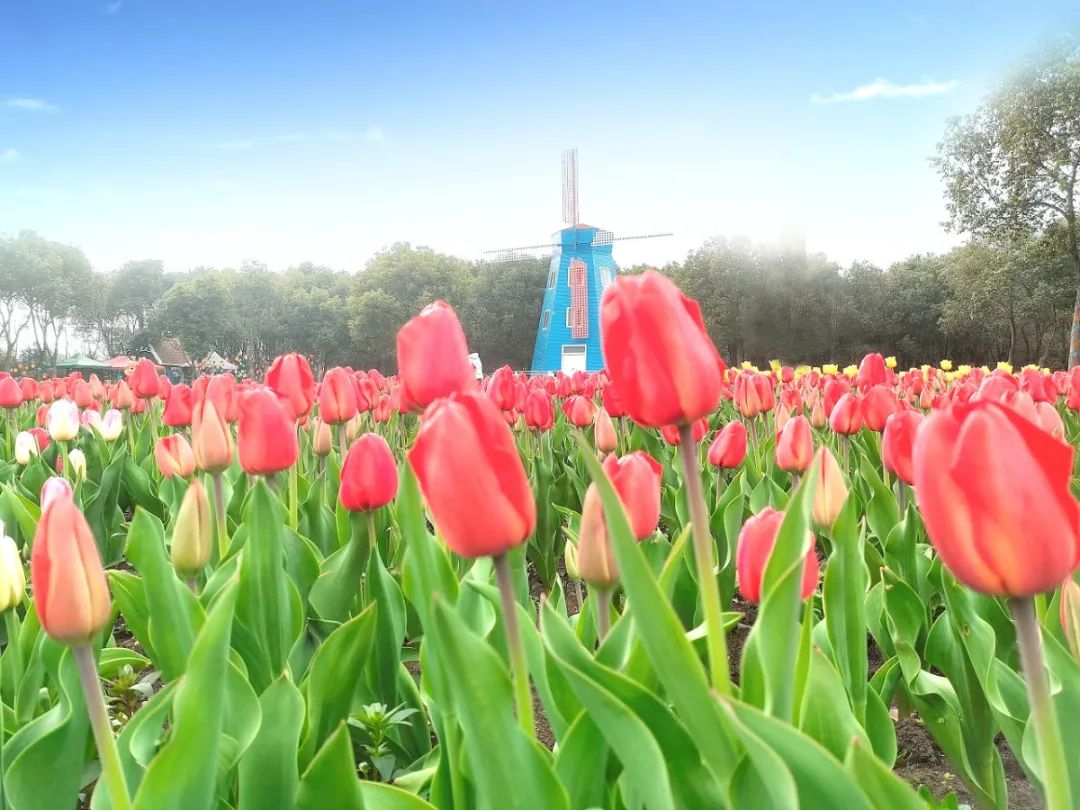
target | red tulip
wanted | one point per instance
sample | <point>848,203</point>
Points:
<point>670,433</point>
<point>266,434</point>
<point>174,456</point>
<point>846,417</point>
<point>878,404</point>
<point>539,413</point>
<point>756,541</point>
<point>221,388</point>
<point>795,446</point>
<point>1049,419</point>
<point>872,372</point>
<point>993,489</point>
<point>178,406</point>
<point>29,388</point>
<point>384,410</point>
<point>729,447</point>
<point>658,353</point>
<point>289,376</point>
<point>144,379</point>
<point>41,436</point>
<point>579,411</point>
<point>337,397</point>
<point>11,395</point>
<point>612,404</point>
<point>835,389</point>
<point>502,389</point>
<point>636,478</point>
<point>433,357</point>
<point>898,441</point>
<point>369,477</point>
<point>70,591</point>
<point>471,476</point>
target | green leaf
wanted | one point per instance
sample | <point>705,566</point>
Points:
<point>330,781</point>
<point>268,604</point>
<point>184,774</point>
<point>333,677</point>
<point>844,602</point>
<point>662,635</point>
<point>389,630</point>
<point>174,614</point>
<point>509,770</point>
<point>44,759</point>
<point>887,789</point>
<point>378,796</point>
<point>581,762</point>
<point>269,777</point>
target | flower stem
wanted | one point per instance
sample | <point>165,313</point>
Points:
<point>519,670</point>
<point>294,496</point>
<point>343,442</point>
<point>703,556</point>
<point>603,614</point>
<point>219,513</point>
<point>1054,771</point>
<point>111,769</point>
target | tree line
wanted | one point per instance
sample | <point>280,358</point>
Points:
<point>1009,172</point>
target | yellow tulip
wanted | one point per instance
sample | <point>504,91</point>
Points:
<point>851,371</point>
<point>1006,367</point>
<point>890,361</point>
<point>830,368</point>
<point>946,365</point>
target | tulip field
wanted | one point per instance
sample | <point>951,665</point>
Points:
<point>670,584</point>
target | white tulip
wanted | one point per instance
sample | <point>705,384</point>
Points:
<point>111,425</point>
<point>26,447</point>
<point>12,573</point>
<point>77,459</point>
<point>62,420</point>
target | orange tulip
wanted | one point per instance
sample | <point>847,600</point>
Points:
<point>831,489</point>
<point>70,591</point>
<point>795,446</point>
<point>607,440</point>
<point>174,456</point>
<point>212,440</point>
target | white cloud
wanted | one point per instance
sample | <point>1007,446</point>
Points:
<point>114,7</point>
<point>235,146</point>
<point>881,88</point>
<point>290,136</point>
<point>31,104</point>
<point>9,155</point>
<point>374,133</point>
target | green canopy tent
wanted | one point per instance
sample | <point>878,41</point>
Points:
<point>81,362</point>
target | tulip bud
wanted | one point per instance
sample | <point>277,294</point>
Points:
<point>846,417</point>
<point>52,489</point>
<point>636,478</point>
<point>289,376</point>
<point>795,446</point>
<point>831,490</point>
<point>607,440</point>
<point>12,575</point>
<point>1070,615</point>
<point>322,440</point>
<point>62,420</point>
<point>539,413</point>
<point>337,397</point>
<point>595,555</point>
<point>121,396</point>
<point>369,476</point>
<point>77,462</point>
<point>144,380</point>
<point>266,435</point>
<point>756,541</point>
<point>26,447</point>
<point>174,456</point>
<point>729,447</point>
<point>178,406</point>
<point>70,591</point>
<point>433,357</point>
<point>193,532</point>
<point>570,555</point>
<point>211,437</point>
<point>111,425</point>
<point>897,443</point>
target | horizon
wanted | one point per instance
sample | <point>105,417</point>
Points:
<point>273,134</point>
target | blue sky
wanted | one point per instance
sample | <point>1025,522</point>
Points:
<point>216,132</point>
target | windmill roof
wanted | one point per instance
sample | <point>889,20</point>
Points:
<point>170,352</point>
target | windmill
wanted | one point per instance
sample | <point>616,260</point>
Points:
<point>568,335</point>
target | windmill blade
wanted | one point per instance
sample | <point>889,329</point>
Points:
<point>517,254</point>
<point>606,237</point>
<point>570,187</point>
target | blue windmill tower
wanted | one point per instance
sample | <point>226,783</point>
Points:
<point>582,266</point>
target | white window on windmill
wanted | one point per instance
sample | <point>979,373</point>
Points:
<point>605,277</point>
<point>545,319</point>
<point>553,275</point>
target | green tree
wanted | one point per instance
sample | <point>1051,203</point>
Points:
<point>1010,168</point>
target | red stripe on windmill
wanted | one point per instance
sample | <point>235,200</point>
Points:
<point>568,335</point>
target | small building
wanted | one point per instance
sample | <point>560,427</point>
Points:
<point>169,354</point>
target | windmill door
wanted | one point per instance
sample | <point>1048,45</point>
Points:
<point>573,359</point>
